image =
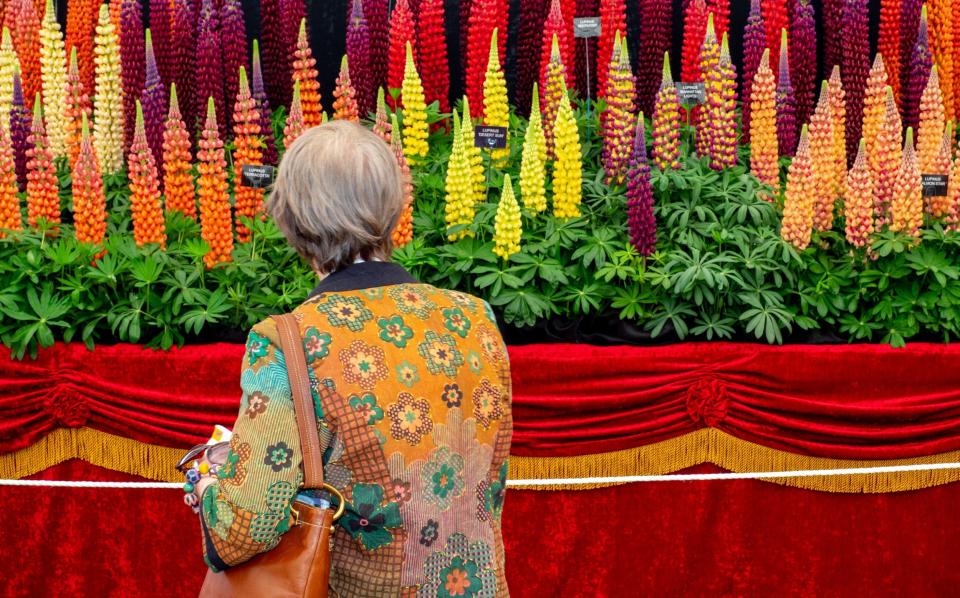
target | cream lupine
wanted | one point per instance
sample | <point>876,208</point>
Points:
<point>8,64</point>
<point>533,192</point>
<point>507,228</point>
<point>932,123</point>
<point>799,197</point>
<point>885,162</point>
<point>53,75</point>
<point>823,158</point>
<point>414,113</point>
<point>939,205</point>
<point>567,168</point>
<point>459,205</point>
<point>906,209</point>
<point>108,100</point>
<point>496,111</point>
<point>874,103</point>
<point>858,200</point>
<point>838,112</point>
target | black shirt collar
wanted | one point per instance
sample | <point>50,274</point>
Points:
<point>363,275</point>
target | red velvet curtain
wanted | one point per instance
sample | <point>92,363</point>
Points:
<point>665,539</point>
<point>845,402</point>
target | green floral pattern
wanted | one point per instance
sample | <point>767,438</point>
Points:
<point>394,331</point>
<point>440,353</point>
<point>367,520</point>
<point>257,347</point>
<point>442,476</point>
<point>316,345</point>
<point>345,312</point>
<point>367,406</point>
<point>456,322</point>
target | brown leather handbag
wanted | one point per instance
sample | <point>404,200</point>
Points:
<point>300,564</point>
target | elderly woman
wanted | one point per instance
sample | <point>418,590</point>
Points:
<point>411,385</point>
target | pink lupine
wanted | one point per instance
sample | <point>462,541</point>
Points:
<point>358,55</point>
<point>160,27</point>
<point>375,12</point>
<point>276,59</point>
<point>854,68</point>
<point>208,78</point>
<point>154,104</point>
<point>233,39</point>
<point>182,46</point>
<point>132,62</point>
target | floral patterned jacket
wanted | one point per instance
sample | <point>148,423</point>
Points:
<point>412,388</point>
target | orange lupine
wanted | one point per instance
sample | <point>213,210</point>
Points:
<point>798,203</point>
<point>215,225</point>
<point>295,125</point>
<point>81,22</point>
<point>89,202</point>
<point>43,188</point>
<point>764,149</point>
<point>76,106</point>
<point>823,158</point>
<point>858,200</point>
<point>145,208</point>
<point>10,218</point>
<point>874,103</point>
<point>247,149</point>
<point>939,205</point>
<point>25,29</point>
<point>932,122</point>
<point>403,232</point>
<point>941,46</point>
<point>179,192</point>
<point>381,126</point>
<point>838,113</point>
<point>345,95</point>
<point>906,208</point>
<point>305,73</point>
<point>885,162</point>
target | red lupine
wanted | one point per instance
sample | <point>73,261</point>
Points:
<point>160,21</point>
<point>919,67</point>
<point>775,20</point>
<point>483,20</point>
<point>24,24</point>
<point>655,19</point>
<point>182,46</point>
<point>641,221</point>
<point>586,8</point>
<point>554,26</point>
<point>375,12</point>
<point>786,108</point>
<point>854,68</point>
<point>888,43</point>
<point>402,32</point>
<point>432,47</point>
<point>721,15</point>
<point>233,39</point>
<point>263,107</point>
<point>81,21</point>
<point>358,54</point>
<point>464,30</point>
<point>613,18</point>
<point>754,44</point>
<point>20,122</point>
<point>154,101</point>
<point>132,63</point>
<point>803,57</point>
<point>694,29</point>
<point>209,76</point>
<point>909,28</point>
<point>832,11</point>
<point>529,45</point>
<point>276,59</point>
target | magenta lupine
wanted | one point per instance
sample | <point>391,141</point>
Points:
<point>832,32</point>
<point>269,148</point>
<point>909,28</point>
<point>359,59</point>
<point>208,78</point>
<point>803,57</point>
<point>160,22</point>
<point>291,13</point>
<point>182,46</point>
<point>919,67</point>
<point>233,40</point>
<point>655,19</point>
<point>530,42</point>
<point>641,222</point>
<point>375,12</point>
<point>786,108</point>
<point>276,61</point>
<point>20,121</point>
<point>132,63</point>
<point>754,43</point>
<point>154,105</point>
<point>854,68</point>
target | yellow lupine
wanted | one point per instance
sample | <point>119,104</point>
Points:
<point>414,113</point>
<point>567,168</point>
<point>496,111</point>
<point>108,99</point>
<point>874,103</point>
<point>507,228</point>
<point>459,206</point>
<point>8,64</point>
<point>838,113</point>
<point>906,208</point>
<point>823,157</point>
<point>799,197</point>
<point>474,155</point>
<point>533,172</point>
<point>932,122</point>
<point>53,75</point>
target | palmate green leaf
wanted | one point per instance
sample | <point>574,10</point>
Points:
<point>214,310</point>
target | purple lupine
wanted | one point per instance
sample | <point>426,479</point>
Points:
<point>20,122</point>
<point>277,66</point>
<point>909,28</point>
<point>208,77</point>
<point>182,46</point>
<point>854,68</point>
<point>533,13</point>
<point>640,219</point>
<point>269,148</point>
<point>803,57</point>
<point>375,11</point>
<point>586,8</point>
<point>358,53</point>
<point>919,72</point>
<point>786,106</point>
<point>754,43</point>
<point>154,104</point>
<point>160,27</point>
<point>833,32</point>
<point>655,18</point>
<point>132,67</point>
<point>233,37</point>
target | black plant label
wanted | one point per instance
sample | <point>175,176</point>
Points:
<point>586,27</point>
<point>257,176</point>
<point>934,185</point>
<point>490,137</point>
<point>691,94</point>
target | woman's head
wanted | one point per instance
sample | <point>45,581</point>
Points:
<point>338,195</point>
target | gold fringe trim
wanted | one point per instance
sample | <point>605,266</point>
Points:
<point>703,446</point>
<point>733,454</point>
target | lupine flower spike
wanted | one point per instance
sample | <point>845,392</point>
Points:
<point>694,31</point>
<point>43,197</point>
<point>666,122</point>
<point>145,205</point>
<point>215,226</point>
<point>721,15</point>
<point>233,39</point>
<point>432,47</point>
<point>556,27</point>
<point>754,45</point>
<point>133,62</point>
<point>919,72</point>
<point>25,27</point>
<point>888,46</point>
<point>553,90</point>
<point>709,63</point>
<point>108,100</point>
<point>507,228</point>
<point>183,42</point>
<point>567,168</point>
<point>276,54</point>
<point>858,200</point>
<point>76,105</point>
<point>160,24</point>
<point>618,118</point>
<point>786,109</point>
<point>402,32</point>
<point>305,73</point>
<point>414,113</point>
<point>10,219</point>
<point>459,204</point>
<point>89,202</point>
<point>939,206</point>
<point>246,150</point>
<point>803,57</point>
<point>473,153</point>
<point>20,123</point>
<point>874,103</point>
<point>885,162</point>
<point>344,95</point>
<point>403,232</point>
<point>823,156</point>
<point>209,76</point>
<point>838,112</point>
<point>613,21</point>
<point>374,71</point>
<point>720,112</point>
<point>932,123</point>
<point>8,63</point>
<point>907,206</point>
<point>799,197</point>
<point>641,222</point>
<point>263,106</point>
<point>764,148</point>
<point>533,13</point>
<point>294,126</point>
<point>53,73</point>
<point>655,19</point>
<point>178,187</point>
<point>381,125</point>
<point>483,19</point>
<point>496,111</point>
<point>776,20</point>
<point>358,54</point>
<point>81,22</point>
<point>533,191</point>
<point>942,42</point>
<point>154,104</point>
<point>855,65</point>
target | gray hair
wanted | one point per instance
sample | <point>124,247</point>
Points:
<point>338,195</point>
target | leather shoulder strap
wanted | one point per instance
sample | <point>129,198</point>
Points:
<point>292,347</point>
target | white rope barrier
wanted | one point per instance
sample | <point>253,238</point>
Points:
<point>684,477</point>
